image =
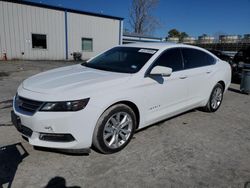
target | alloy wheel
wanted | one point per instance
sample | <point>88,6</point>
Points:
<point>216,98</point>
<point>117,130</point>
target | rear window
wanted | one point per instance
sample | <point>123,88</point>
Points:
<point>196,58</point>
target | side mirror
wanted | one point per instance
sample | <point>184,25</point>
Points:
<point>160,70</point>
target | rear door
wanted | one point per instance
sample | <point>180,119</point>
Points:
<point>199,66</point>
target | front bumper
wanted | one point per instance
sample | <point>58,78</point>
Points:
<point>61,130</point>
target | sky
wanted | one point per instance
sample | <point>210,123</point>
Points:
<point>195,17</point>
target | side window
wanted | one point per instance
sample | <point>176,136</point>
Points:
<point>196,58</point>
<point>39,41</point>
<point>171,58</point>
<point>87,44</point>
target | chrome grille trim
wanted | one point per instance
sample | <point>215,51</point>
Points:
<point>27,105</point>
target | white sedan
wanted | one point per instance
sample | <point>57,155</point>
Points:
<point>102,102</point>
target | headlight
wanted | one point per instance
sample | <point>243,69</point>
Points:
<point>65,106</point>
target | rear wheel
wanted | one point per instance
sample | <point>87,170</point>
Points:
<point>114,129</point>
<point>215,98</point>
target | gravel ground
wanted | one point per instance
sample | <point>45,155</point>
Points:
<point>195,149</point>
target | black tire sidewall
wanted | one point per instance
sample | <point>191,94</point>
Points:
<point>101,124</point>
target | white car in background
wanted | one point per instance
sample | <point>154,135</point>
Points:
<point>102,102</point>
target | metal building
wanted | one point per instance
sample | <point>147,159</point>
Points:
<point>37,31</point>
<point>189,40</point>
<point>173,39</point>
<point>206,39</point>
<point>229,38</point>
<point>134,37</point>
<point>246,38</point>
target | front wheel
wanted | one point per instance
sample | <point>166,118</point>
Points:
<point>114,129</point>
<point>215,98</point>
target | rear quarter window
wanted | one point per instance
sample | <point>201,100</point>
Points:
<point>194,58</point>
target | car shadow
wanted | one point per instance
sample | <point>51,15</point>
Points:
<point>10,157</point>
<point>247,184</point>
<point>234,90</point>
<point>238,91</point>
<point>58,182</point>
<point>62,151</point>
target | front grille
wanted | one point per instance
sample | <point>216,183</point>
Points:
<point>27,105</point>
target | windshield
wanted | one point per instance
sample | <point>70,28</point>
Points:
<point>122,59</point>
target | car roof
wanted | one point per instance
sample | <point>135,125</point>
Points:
<point>165,45</point>
<point>158,45</point>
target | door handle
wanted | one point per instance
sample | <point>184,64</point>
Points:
<point>183,77</point>
<point>208,72</point>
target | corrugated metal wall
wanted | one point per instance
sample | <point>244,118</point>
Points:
<point>18,22</point>
<point>104,32</point>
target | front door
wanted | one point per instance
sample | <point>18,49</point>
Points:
<point>165,96</point>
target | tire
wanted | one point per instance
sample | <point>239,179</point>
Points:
<point>215,99</point>
<point>114,129</point>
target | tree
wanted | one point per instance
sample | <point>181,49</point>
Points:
<point>174,33</point>
<point>183,35</point>
<point>126,30</point>
<point>141,19</point>
<point>177,34</point>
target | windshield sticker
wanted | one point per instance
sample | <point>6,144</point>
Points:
<point>147,51</point>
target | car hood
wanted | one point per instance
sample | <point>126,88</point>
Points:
<point>72,79</point>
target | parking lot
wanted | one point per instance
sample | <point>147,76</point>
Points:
<point>195,149</point>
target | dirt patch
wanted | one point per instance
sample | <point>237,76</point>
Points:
<point>6,104</point>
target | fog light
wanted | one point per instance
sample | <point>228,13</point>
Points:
<point>56,137</point>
